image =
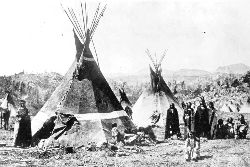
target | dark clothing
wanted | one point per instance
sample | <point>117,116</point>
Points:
<point>201,123</point>
<point>22,133</point>
<point>220,132</point>
<point>6,117</point>
<point>172,122</point>
<point>188,118</point>
<point>212,123</point>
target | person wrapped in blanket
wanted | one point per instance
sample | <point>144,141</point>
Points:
<point>22,129</point>
<point>172,122</point>
<point>240,128</point>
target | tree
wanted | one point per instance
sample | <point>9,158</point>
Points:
<point>235,83</point>
<point>246,78</point>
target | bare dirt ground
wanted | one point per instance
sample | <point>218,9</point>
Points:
<point>215,153</point>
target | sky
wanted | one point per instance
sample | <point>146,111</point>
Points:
<point>36,35</point>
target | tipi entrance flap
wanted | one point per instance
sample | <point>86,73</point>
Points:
<point>39,120</point>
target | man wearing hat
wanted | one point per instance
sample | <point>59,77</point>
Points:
<point>22,130</point>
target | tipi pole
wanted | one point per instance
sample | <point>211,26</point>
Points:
<point>97,21</point>
<point>77,24</point>
<point>1,119</point>
<point>95,16</point>
<point>72,23</point>
<point>83,20</point>
<point>96,54</point>
<point>86,15</point>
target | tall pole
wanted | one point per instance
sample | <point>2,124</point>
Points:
<point>1,120</point>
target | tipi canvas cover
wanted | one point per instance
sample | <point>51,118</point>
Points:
<point>245,108</point>
<point>8,103</point>
<point>84,94</point>
<point>155,101</point>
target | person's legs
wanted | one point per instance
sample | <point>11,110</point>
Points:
<point>196,152</point>
<point>185,132</point>
<point>188,149</point>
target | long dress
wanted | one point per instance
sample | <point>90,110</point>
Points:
<point>22,129</point>
<point>172,123</point>
<point>212,123</point>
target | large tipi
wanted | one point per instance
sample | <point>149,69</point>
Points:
<point>84,92</point>
<point>151,107</point>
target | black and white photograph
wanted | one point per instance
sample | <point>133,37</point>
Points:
<point>124,83</point>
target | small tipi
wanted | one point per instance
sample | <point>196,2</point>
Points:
<point>124,101</point>
<point>8,103</point>
<point>84,92</point>
<point>151,107</point>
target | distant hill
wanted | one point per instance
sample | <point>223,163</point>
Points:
<point>191,73</point>
<point>142,75</point>
<point>239,68</point>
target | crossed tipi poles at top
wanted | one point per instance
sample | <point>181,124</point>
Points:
<point>156,63</point>
<point>80,22</point>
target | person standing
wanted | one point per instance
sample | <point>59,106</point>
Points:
<point>172,122</point>
<point>212,120</point>
<point>188,118</point>
<point>188,113</point>
<point>201,126</point>
<point>22,129</point>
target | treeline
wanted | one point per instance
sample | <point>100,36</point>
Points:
<point>221,85</point>
<point>34,88</point>
<point>37,88</point>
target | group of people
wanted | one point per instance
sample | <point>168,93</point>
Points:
<point>197,124</point>
<point>203,119</point>
<point>202,122</point>
<point>232,128</point>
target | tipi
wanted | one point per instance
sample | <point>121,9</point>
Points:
<point>124,99</point>
<point>151,107</point>
<point>126,104</point>
<point>8,111</point>
<point>8,103</point>
<point>84,92</point>
<point>245,108</point>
